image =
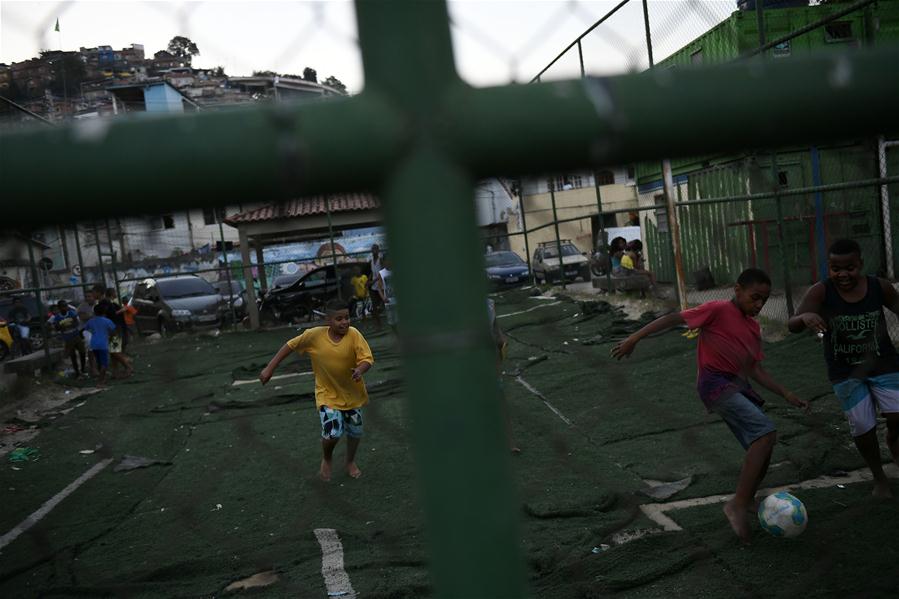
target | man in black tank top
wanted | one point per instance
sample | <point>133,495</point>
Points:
<point>846,310</point>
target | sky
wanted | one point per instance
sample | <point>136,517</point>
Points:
<point>495,41</point>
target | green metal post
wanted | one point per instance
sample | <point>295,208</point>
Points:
<point>580,56</point>
<point>524,229</point>
<point>227,271</point>
<point>471,512</point>
<point>40,301</point>
<point>602,232</point>
<point>333,253</point>
<point>112,260</point>
<point>760,22</point>
<point>99,254</point>
<point>552,198</point>
<point>788,286</point>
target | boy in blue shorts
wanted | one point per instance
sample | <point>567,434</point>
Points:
<point>846,309</point>
<point>100,329</point>
<point>729,354</point>
<point>340,356</point>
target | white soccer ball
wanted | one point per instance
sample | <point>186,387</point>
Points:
<point>783,515</point>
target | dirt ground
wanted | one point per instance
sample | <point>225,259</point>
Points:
<point>235,492</point>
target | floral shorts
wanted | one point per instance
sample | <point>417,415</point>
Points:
<point>337,422</point>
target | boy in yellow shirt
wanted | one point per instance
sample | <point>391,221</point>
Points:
<point>340,356</point>
<point>360,292</point>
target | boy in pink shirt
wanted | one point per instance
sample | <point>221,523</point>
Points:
<point>729,354</point>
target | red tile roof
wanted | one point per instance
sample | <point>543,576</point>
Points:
<point>308,206</point>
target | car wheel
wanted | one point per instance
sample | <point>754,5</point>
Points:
<point>268,317</point>
<point>164,328</point>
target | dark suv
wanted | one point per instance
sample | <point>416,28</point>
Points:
<point>179,303</point>
<point>310,292</point>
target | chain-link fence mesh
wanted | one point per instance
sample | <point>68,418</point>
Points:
<point>734,212</point>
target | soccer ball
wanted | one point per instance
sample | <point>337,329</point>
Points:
<point>783,515</point>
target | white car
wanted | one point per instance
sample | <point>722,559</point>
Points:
<point>548,268</point>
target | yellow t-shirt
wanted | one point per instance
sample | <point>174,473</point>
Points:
<point>360,286</point>
<point>333,364</point>
<point>627,262</point>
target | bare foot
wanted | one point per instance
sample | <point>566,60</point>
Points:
<point>736,516</point>
<point>882,490</point>
<point>353,470</point>
<point>324,472</point>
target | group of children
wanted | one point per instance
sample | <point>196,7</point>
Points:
<point>96,334</point>
<point>374,293</point>
<point>847,309</point>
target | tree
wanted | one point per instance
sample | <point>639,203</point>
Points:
<point>310,74</point>
<point>219,71</point>
<point>335,83</point>
<point>181,47</point>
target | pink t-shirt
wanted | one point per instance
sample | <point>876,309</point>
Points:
<point>729,341</point>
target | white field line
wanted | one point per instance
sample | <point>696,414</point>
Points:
<point>337,582</point>
<point>528,310</point>
<point>277,377</point>
<point>51,503</point>
<point>657,512</point>
<point>555,410</point>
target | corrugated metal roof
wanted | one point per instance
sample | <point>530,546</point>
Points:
<point>308,206</point>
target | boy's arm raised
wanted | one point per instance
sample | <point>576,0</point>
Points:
<point>626,347</point>
<point>269,370</point>
<point>808,315</point>
<point>761,375</point>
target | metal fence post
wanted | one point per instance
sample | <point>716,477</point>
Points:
<point>40,302</point>
<point>552,197</point>
<point>787,279</point>
<point>227,273</point>
<point>886,217</point>
<point>333,252</point>
<point>524,229</point>
<point>99,254</point>
<point>112,260</point>
<point>674,232</point>
<point>820,234</point>
<point>472,515</point>
<point>83,272</point>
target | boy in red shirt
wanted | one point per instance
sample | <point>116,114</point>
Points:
<point>728,355</point>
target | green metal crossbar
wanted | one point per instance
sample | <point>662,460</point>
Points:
<point>420,138</point>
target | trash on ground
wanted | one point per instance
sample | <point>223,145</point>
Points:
<point>23,454</point>
<point>662,490</point>
<point>86,451</point>
<point>600,548</point>
<point>132,462</point>
<point>261,579</point>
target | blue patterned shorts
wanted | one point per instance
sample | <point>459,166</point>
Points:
<point>337,422</point>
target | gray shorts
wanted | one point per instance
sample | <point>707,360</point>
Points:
<point>745,420</point>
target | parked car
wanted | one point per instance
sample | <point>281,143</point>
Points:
<point>310,292</point>
<point>34,323</point>
<point>185,302</point>
<point>235,296</point>
<point>505,269</point>
<point>548,268</point>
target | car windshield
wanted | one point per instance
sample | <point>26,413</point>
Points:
<point>503,259</point>
<point>193,287</point>
<point>549,251</point>
<point>286,280</point>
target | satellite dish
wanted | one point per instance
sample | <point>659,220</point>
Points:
<point>45,264</point>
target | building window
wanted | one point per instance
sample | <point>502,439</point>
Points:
<point>212,216</point>
<point>631,172</point>
<point>838,31</point>
<point>696,57</point>
<point>781,50</point>
<point>165,221</point>
<point>605,178</point>
<point>661,213</point>
<point>564,182</point>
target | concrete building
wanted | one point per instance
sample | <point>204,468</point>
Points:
<point>575,198</point>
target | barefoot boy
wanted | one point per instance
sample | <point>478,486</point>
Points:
<point>862,363</point>
<point>340,356</point>
<point>728,355</point>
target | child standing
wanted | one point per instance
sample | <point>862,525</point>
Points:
<point>100,329</point>
<point>360,292</point>
<point>67,323</point>
<point>862,363</point>
<point>340,357</point>
<point>728,355</point>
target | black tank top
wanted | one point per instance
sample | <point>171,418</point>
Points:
<point>857,343</point>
